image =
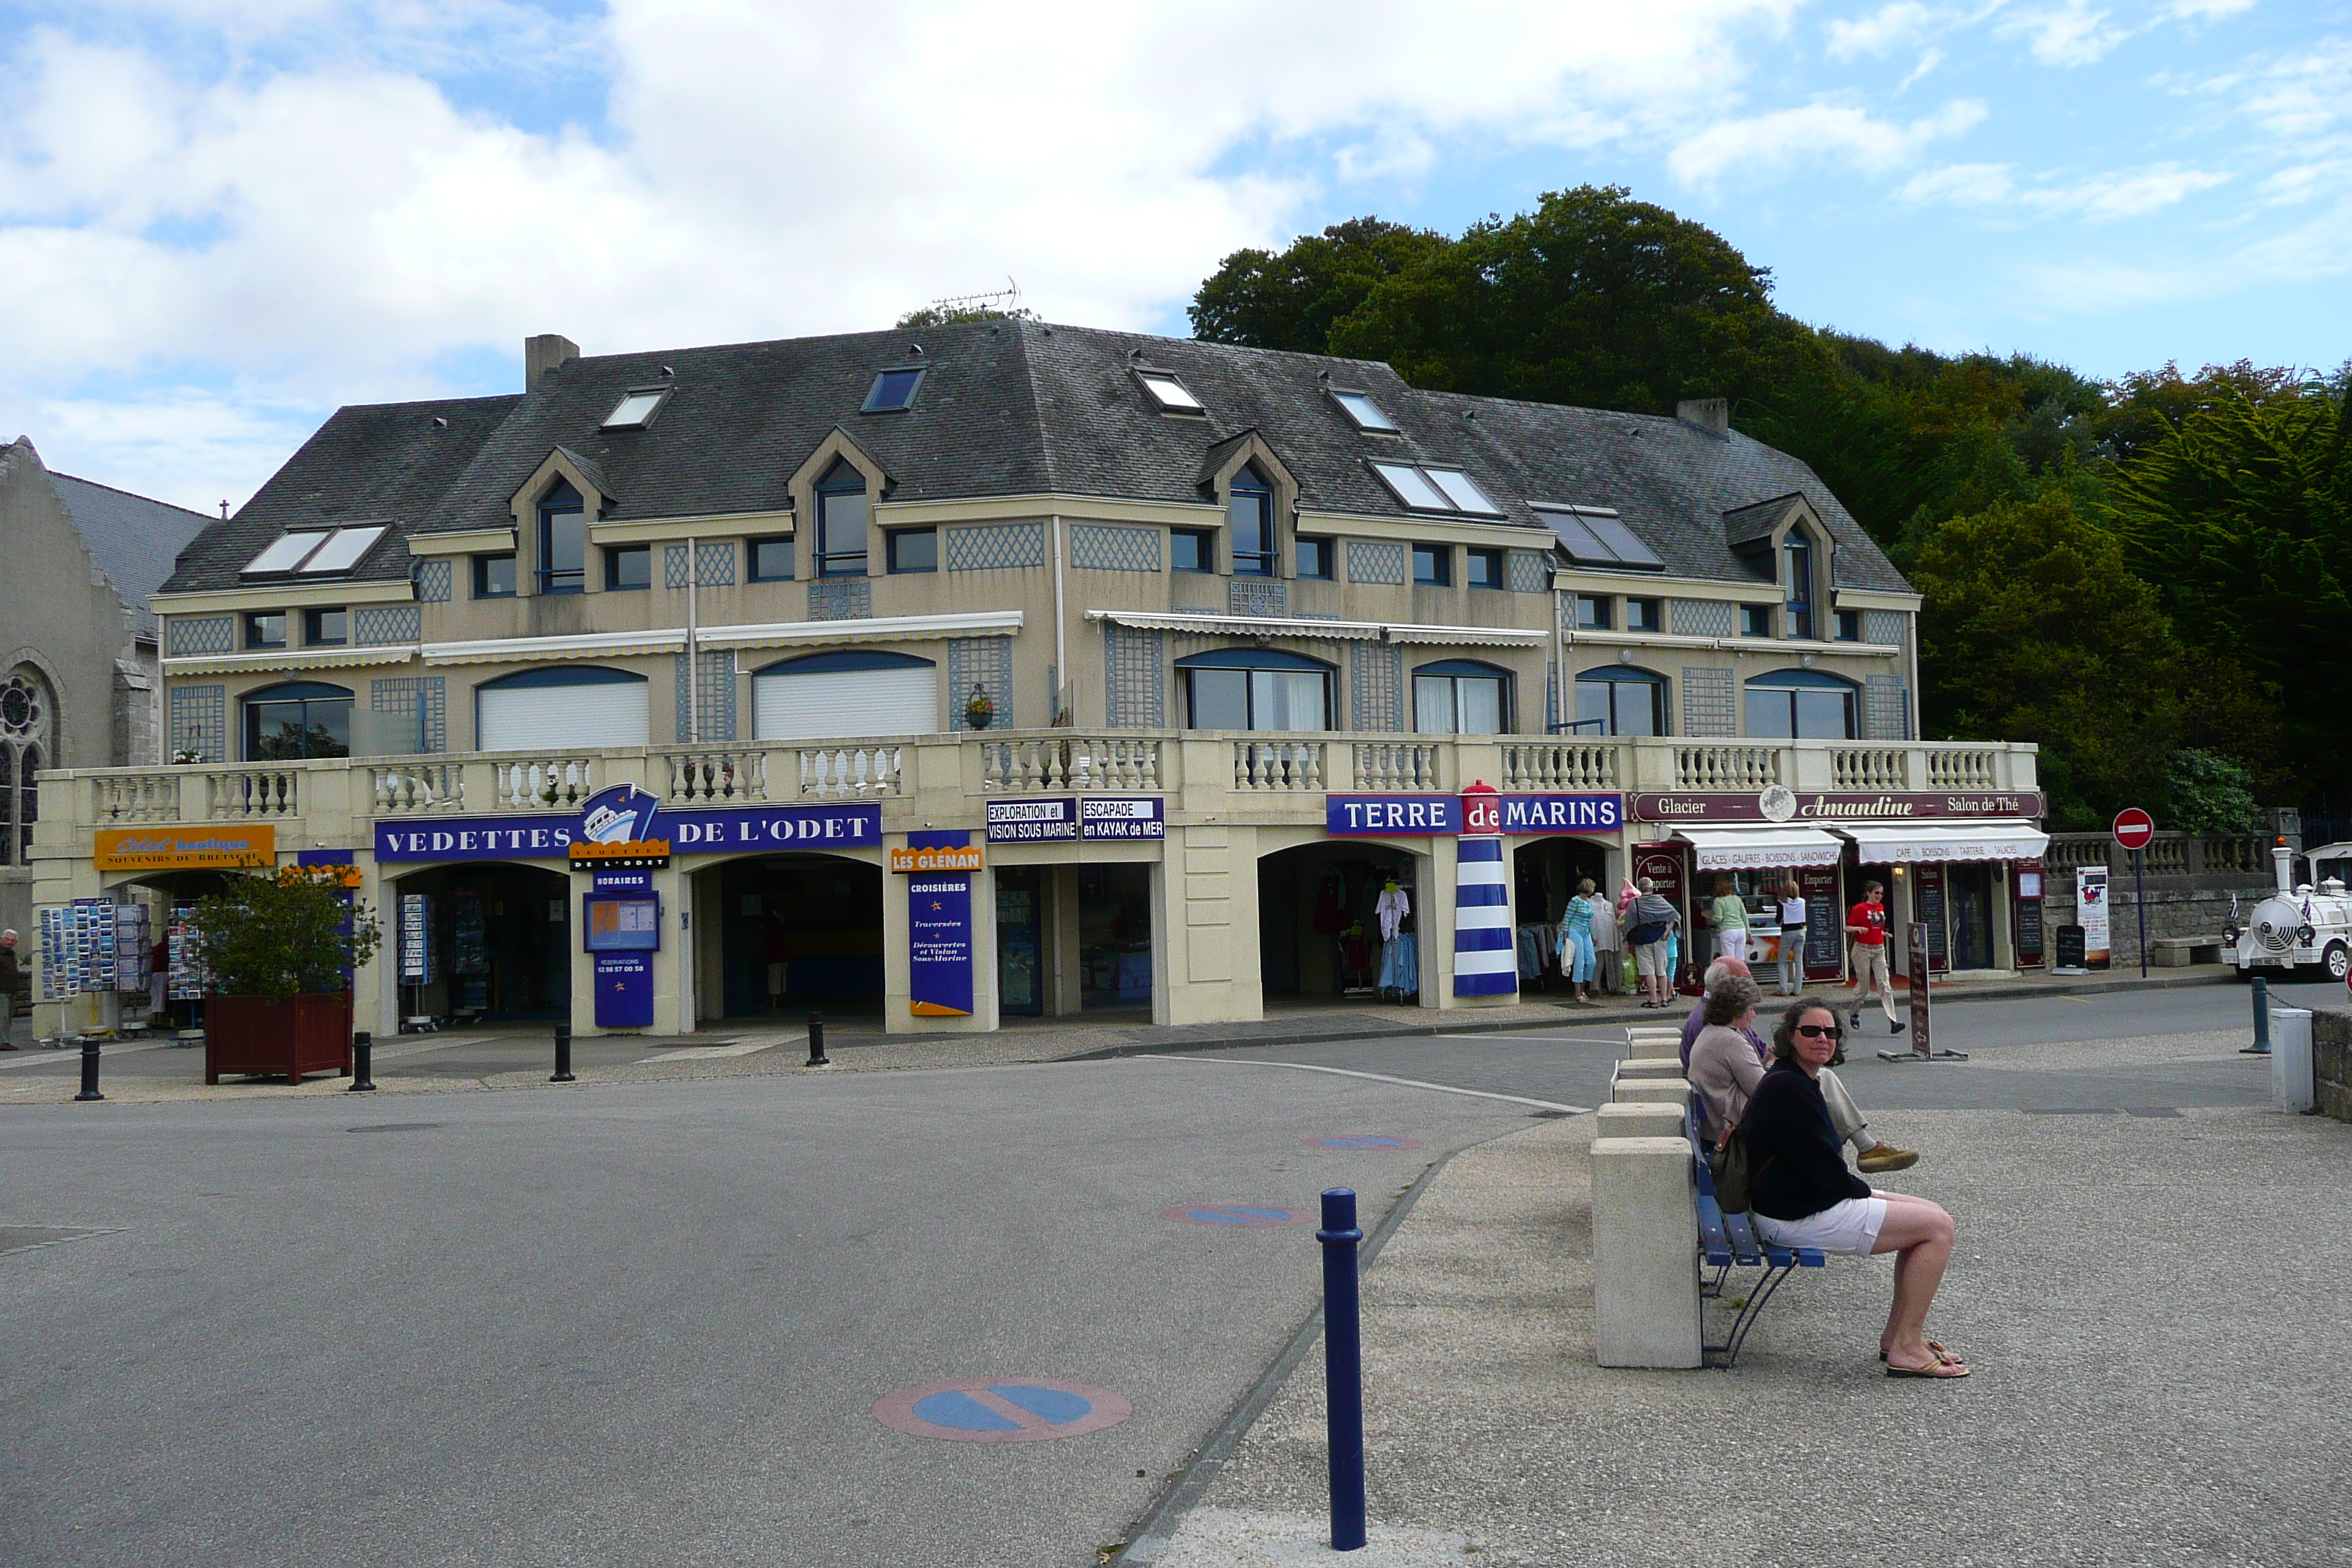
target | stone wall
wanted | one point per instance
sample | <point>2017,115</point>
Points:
<point>2176,906</point>
<point>2331,1061</point>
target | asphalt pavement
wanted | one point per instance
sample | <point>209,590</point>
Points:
<point>647,1324</point>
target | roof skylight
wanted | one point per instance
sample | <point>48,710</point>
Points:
<point>286,554</point>
<point>1464,495</point>
<point>635,407</point>
<point>893,390</point>
<point>1169,393</point>
<point>343,549</point>
<point>1364,414</point>
<point>1595,537</point>
<point>316,554</point>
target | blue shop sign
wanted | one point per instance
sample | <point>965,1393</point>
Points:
<point>939,935</point>
<point>688,833</point>
<point>1563,813</point>
<point>1361,816</point>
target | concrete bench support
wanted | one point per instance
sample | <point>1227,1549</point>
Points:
<point>1640,1118</point>
<point>1645,1067</point>
<point>1674,1092</point>
<point>1655,1044</point>
<point>2179,951</point>
<point>1645,1253</point>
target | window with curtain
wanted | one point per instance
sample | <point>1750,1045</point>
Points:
<point>1256,689</point>
<point>1461,696</point>
<point>1620,701</point>
<point>1249,509</point>
<point>841,516</point>
<point>1801,705</point>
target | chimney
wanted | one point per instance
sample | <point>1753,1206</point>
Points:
<point>1712,414</point>
<point>543,354</point>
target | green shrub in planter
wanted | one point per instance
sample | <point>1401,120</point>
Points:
<point>284,934</point>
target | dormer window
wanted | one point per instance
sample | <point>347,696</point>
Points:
<point>635,409</point>
<point>1363,412</point>
<point>893,390</point>
<point>1250,509</point>
<point>562,540</point>
<point>840,516</point>
<point>1797,574</point>
<point>1171,394</point>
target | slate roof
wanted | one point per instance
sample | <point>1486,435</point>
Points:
<point>132,537</point>
<point>1009,408</point>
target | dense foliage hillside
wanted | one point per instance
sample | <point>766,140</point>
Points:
<point>2147,576</point>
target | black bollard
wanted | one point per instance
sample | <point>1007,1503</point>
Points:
<point>89,1071</point>
<point>2262,1046</point>
<point>562,1055</point>
<point>1343,1368</point>
<point>363,1062</point>
<point>816,1041</point>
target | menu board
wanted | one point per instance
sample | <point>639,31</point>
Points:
<point>1927,887</point>
<point>2031,942</point>
<point>1825,922</point>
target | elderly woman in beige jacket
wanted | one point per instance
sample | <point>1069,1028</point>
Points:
<point>1725,1067</point>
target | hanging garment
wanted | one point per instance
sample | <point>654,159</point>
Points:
<point>1531,945</point>
<point>1392,909</point>
<point>1401,964</point>
<point>1331,902</point>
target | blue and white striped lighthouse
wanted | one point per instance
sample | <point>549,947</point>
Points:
<point>1484,961</point>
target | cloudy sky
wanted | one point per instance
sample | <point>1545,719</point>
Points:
<point>220,218</point>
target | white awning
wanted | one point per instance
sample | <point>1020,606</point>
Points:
<point>1207,623</point>
<point>1761,847</point>
<point>1911,843</point>
<point>1470,637</point>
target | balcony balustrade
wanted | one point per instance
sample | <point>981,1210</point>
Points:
<point>1235,778</point>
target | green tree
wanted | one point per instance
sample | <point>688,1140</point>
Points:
<point>2208,794</point>
<point>2035,630</point>
<point>1291,300</point>
<point>2239,512</point>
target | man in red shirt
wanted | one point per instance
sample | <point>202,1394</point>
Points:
<point>1865,926</point>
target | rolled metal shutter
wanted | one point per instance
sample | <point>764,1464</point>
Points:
<point>901,702</point>
<point>563,718</point>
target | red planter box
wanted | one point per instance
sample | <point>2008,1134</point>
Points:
<point>298,1035</point>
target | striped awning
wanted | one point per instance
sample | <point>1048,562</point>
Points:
<point>1915,843</point>
<point>1761,847</point>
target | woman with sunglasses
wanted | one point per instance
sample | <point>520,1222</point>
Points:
<point>1803,1196</point>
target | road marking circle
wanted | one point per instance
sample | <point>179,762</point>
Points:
<point>1242,1216</point>
<point>1001,1410</point>
<point>1378,1140</point>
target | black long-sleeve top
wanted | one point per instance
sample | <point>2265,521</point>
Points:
<point>1795,1165</point>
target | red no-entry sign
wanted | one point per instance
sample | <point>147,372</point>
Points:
<point>2133,828</point>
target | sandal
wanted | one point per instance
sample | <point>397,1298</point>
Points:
<point>1941,1367</point>
<point>1942,1353</point>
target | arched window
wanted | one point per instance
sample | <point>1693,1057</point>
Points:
<point>1255,688</point>
<point>563,705</point>
<point>1250,507</point>
<point>1461,697</point>
<point>1618,700</point>
<point>27,737</point>
<point>841,521</point>
<point>300,719</point>
<point>853,692</point>
<point>562,540</point>
<point>1800,704</point>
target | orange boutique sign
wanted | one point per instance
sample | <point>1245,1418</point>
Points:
<point>945,857</point>
<point>184,849</point>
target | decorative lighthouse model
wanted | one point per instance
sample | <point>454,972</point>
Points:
<point>1484,963</point>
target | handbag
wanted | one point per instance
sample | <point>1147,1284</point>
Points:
<point>1733,1180</point>
<point>1646,933</point>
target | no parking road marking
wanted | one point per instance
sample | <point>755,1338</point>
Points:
<point>1002,1410</point>
<point>1362,1141</point>
<point>1236,1214</point>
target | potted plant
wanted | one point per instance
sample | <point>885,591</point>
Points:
<point>279,949</point>
<point>980,711</point>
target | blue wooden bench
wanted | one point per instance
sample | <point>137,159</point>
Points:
<point>1729,1241</point>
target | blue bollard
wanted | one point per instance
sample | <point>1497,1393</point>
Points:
<point>2262,1046</point>
<point>1343,1367</point>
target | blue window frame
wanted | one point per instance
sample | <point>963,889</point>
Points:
<point>1618,700</point>
<point>1255,688</point>
<point>1797,553</point>
<point>1249,509</point>
<point>1483,568</point>
<point>1313,555</point>
<point>299,719</point>
<point>771,558</point>
<point>1433,566</point>
<point>629,567</point>
<point>562,540</point>
<point>1192,549</point>
<point>1802,705</point>
<point>914,549</point>
<point>494,576</point>
<point>893,390</point>
<point>841,520</point>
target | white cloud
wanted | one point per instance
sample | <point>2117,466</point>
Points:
<point>2070,33</point>
<point>1928,61</point>
<point>1838,131</point>
<point>1960,184</point>
<point>2118,195</point>
<point>1885,30</point>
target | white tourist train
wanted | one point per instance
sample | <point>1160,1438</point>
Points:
<point>2301,923</point>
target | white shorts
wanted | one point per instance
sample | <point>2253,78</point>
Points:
<point>1851,1227</point>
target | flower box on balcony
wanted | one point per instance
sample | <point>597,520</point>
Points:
<point>291,1036</point>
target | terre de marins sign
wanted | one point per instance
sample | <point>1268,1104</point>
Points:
<point>1822,807</point>
<point>1367,815</point>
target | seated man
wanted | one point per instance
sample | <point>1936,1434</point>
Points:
<point>1871,1155</point>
